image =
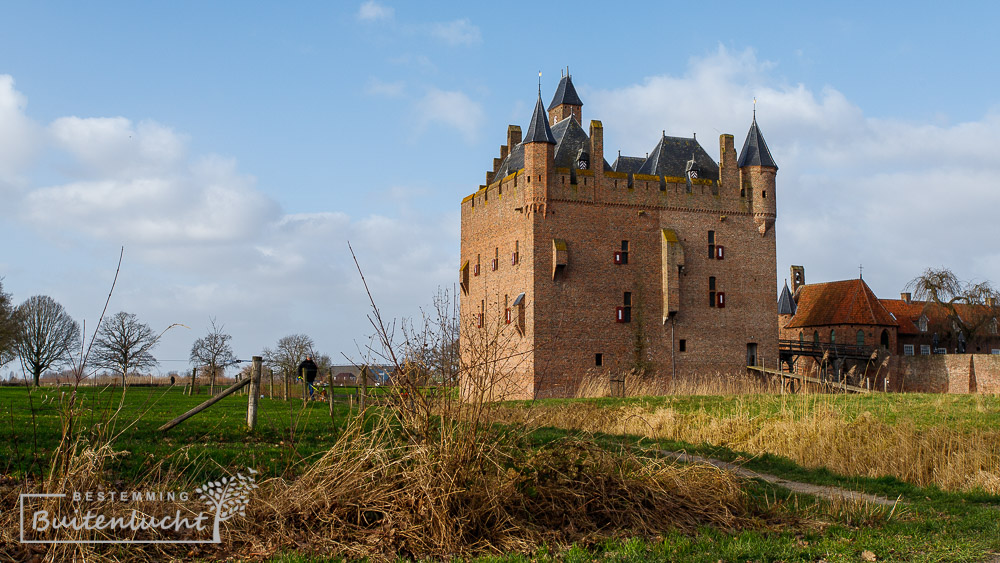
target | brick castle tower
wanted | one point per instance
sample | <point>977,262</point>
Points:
<point>573,266</point>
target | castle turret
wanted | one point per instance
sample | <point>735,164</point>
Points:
<point>539,148</point>
<point>757,172</point>
<point>566,102</point>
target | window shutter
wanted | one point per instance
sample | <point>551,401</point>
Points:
<point>619,314</point>
<point>719,252</point>
<point>618,257</point>
<point>720,299</point>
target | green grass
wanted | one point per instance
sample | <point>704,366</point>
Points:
<point>286,434</point>
<point>932,525</point>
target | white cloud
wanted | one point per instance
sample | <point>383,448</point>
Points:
<point>113,146</point>
<point>457,32</point>
<point>371,10</point>
<point>20,137</point>
<point>453,109</point>
<point>893,194</point>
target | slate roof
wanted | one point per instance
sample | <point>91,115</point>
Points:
<point>786,305</point>
<point>628,164</point>
<point>755,152</point>
<point>565,94</point>
<point>670,157</point>
<point>570,139</point>
<point>847,302</point>
<point>513,162</point>
<point>538,128</point>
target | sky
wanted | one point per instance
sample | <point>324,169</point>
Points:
<point>234,148</point>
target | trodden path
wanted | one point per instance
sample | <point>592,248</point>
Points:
<point>794,486</point>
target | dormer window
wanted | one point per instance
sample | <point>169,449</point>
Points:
<point>922,323</point>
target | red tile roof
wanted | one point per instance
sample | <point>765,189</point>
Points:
<point>848,302</point>
<point>907,314</point>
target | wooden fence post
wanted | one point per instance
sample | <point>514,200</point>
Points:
<point>305,388</point>
<point>254,392</point>
<point>329,393</point>
<point>363,398</point>
<point>194,372</point>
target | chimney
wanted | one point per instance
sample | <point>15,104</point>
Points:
<point>513,136</point>
<point>905,297</point>
<point>991,302</point>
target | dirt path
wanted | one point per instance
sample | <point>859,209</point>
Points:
<point>794,486</point>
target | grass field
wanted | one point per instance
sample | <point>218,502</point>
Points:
<point>832,440</point>
<point>286,434</point>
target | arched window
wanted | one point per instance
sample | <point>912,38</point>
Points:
<point>816,336</point>
<point>801,336</point>
<point>884,341</point>
<point>861,338</point>
<point>833,337</point>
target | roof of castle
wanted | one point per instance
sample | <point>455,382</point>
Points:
<point>670,157</point>
<point>847,302</point>
<point>538,128</point>
<point>628,164</point>
<point>565,94</point>
<point>570,140</point>
<point>786,305</point>
<point>755,152</point>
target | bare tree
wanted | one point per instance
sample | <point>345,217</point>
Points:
<point>943,288</point>
<point>214,352</point>
<point>9,327</point>
<point>124,344</point>
<point>432,348</point>
<point>47,334</point>
<point>287,354</point>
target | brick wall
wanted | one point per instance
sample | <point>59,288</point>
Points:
<point>572,318</point>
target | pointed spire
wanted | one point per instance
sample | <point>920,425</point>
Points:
<point>786,305</point>
<point>565,94</point>
<point>755,152</point>
<point>538,129</point>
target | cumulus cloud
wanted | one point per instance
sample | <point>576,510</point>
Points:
<point>893,194</point>
<point>388,89</point>
<point>373,11</point>
<point>20,137</point>
<point>458,32</point>
<point>134,183</point>
<point>453,109</point>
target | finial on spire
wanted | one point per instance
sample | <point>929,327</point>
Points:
<point>540,84</point>
<point>754,107</point>
<point>861,270</point>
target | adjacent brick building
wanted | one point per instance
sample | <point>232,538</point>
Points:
<point>571,265</point>
<point>844,317</point>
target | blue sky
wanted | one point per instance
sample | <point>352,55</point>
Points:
<point>234,148</point>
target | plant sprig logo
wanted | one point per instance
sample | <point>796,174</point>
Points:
<point>136,516</point>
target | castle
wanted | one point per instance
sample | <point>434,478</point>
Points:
<point>663,264</point>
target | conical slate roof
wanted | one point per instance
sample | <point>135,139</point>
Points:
<point>565,94</point>
<point>786,305</point>
<point>538,129</point>
<point>755,151</point>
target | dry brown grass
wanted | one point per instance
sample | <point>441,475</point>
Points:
<point>634,384</point>
<point>816,436</point>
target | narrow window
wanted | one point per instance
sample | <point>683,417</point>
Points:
<point>711,245</point>
<point>624,313</point>
<point>475,269</point>
<point>763,194</point>
<point>515,257</point>
<point>621,257</point>
<point>682,345</point>
<point>711,291</point>
<point>598,359</point>
<point>816,336</point>
<point>496,258</point>
<point>861,338</point>
<point>833,337</point>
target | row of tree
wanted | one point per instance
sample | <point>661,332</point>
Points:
<point>44,336</point>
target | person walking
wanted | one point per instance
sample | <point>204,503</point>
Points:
<point>308,369</point>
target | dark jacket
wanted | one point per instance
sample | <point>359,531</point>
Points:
<point>311,370</point>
